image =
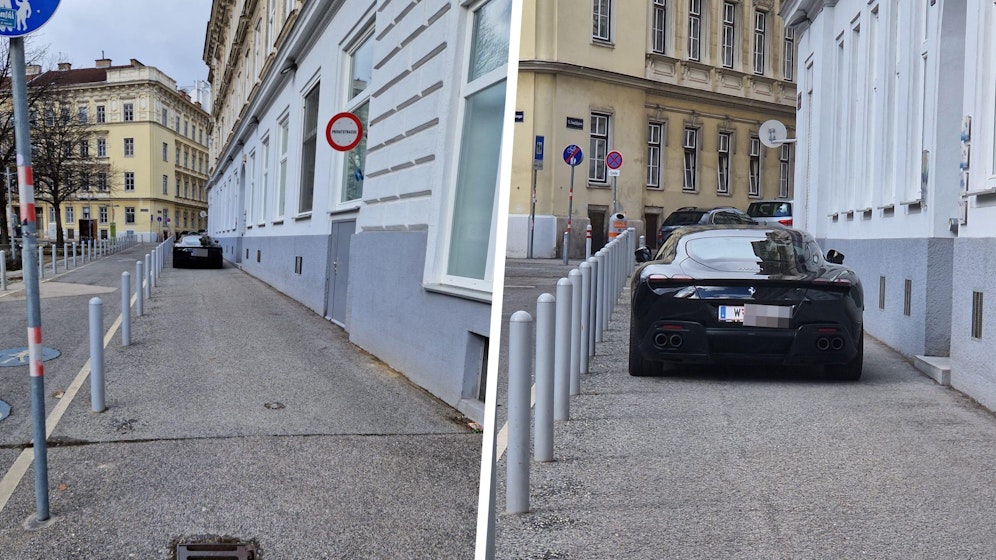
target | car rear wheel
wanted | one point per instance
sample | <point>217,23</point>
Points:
<point>851,371</point>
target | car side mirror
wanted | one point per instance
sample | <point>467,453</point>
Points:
<point>642,254</point>
<point>835,256</point>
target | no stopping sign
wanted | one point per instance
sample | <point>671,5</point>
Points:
<point>344,132</point>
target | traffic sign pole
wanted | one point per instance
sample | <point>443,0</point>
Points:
<point>573,156</point>
<point>29,263</point>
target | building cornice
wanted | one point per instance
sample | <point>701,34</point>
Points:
<point>659,88</point>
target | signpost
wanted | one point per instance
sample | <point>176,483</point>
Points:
<point>613,160</point>
<point>573,156</point>
<point>537,166</point>
<point>15,23</point>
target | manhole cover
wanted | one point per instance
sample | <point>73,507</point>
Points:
<point>19,356</point>
<point>216,551</point>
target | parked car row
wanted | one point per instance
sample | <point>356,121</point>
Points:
<point>758,212</point>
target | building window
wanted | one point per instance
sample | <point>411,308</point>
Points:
<point>165,151</point>
<point>164,117</point>
<point>784,170</point>
<point>85,213</point>
<point>84,149</point>
<point>103,215</point>
<point>83,115</point>
<point>129,112</point>
<point>186,157</point>
<point>601,20</point>
<point>659,31</point>
<point>282,171</point>
<point>129,214</point>
<point>655,136</point>
<point>309,143</point>
<point>129,180</point>
<point>101,181</point>
<point>760,25</point>
<point>165,184</point>
<point>694,29</point>
<point>598,143</point>
<point>691,148</point>
<point>178,154</point>
<point>179,184</point>
<point>264,178</point>
<point>723,167</point>
<point>101,115</point>
<point>253,199</point>
<point>471,235</point>
<point>360,72</point>
<point>271,16</point>
<point>129,147</point>
<point>754,178</point>
<point>70,214</point>
<point>186,124</point>
<point>729,33</point>
<point>788,54</point>
<point>186,188</point>
<point>101,147</point>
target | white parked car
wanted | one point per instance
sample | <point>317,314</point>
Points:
<point>771,212</point>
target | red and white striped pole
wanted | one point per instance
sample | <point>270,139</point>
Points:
<point>587,242</point>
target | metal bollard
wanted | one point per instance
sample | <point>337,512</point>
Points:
<point>148,278</point>
<point>55,260</point>
<point>601,296</point>
<point>155,268</point>
<point>74,254</point>
<point>65,256</point>
<point>41,262</point>
<point>562,352</point>
<point>139,290</point>
<point>517,460</point>
<point>585,317</point>
<point>546,315</point>
<point>3,270</point>
<point>96,355</point>
<point>125,308</point>
<point>593,308</point>
<point>567,239</point>
<point>575,277</point>
<point>587,242</point>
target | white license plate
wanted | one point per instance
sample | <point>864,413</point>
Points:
<point>200,252</point>
<point>731,313</point>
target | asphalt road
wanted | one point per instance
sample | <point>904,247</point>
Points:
<point>235,412</point>
<point>731,462</point>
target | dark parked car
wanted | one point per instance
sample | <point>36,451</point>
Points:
<point>745,295</point>
<point>197,251</point>
<point>690,216</point>
<point>771,212</point>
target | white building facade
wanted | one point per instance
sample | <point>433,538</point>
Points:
<point>896,168</point>
<point>393,239</point>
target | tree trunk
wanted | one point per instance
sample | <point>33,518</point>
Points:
<point>60,238</point>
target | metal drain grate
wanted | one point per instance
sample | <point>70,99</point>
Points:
<point>215,551</point>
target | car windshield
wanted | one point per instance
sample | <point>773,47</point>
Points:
<point>768,252</point>
<point>194,241</point>
<point>769,209</point>
<point>683,218</point>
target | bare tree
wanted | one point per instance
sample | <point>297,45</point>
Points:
<point>65,164</point>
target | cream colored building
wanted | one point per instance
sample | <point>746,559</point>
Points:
<point>678,87</point>
<point>156,142</point>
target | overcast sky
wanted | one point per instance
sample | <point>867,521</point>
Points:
<point>167,34</point>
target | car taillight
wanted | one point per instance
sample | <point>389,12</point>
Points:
<point>663,280</point>
<point>786,222</point>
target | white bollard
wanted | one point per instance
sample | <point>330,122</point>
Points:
<point>562,353</point>
<point>517,458</point>
<point>575,278</point>
<point>546,316</point>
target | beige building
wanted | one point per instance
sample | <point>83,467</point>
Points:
<point>155,140</point>
<point>679,88</point>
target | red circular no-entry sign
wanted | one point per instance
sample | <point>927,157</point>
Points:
<point>344,132</point>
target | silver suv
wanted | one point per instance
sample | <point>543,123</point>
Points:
<point>771,212</point>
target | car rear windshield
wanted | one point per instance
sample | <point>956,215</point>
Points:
<point>769,209</point>
<point>683,218</point>
<point>771,252</point>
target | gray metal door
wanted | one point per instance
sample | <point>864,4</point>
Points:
<point>335,299</point>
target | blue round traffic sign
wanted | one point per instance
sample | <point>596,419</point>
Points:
<point>19,18</point>
<point>573,155</point>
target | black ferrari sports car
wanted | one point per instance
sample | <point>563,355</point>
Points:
<point>745,294</point>
<point>197,251</point>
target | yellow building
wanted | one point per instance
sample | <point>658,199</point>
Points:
<point>678,87</point>
<point>155,139</point>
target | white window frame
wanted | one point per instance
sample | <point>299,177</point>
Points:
<point>723,162</point>
<point>129,215</point>
<point>70,215</point>
<point>253,199</point>
<point>165,184</point>
<point>264,178</point>
<point>784,170</point>
<point>283,147</point>
<point>754,168</point>
<point>658,27</point>
<point>694,30</point>
<point>129,147</point>
<point>601,20</point>
<point>729,34</point>
<point>690,147</point>
<point>760,41</point>
<point>655,155</point>
<point>599,140</point>
<point>353,103</point>
<point>788,55</point>
<point>128,112</point>
<point>101,147</point>
<point>102,215</point>
<point>129,180</point>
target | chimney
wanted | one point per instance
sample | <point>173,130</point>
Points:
<point>136,63</point>
<point>103,63</point>
<point>63,66</point>
<point>32,69</point>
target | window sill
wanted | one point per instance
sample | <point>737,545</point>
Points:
<point>599,185</point>
<point>302,217</point>
<point>983,192</point>
<point>595,41</point>
<point>277,222</point>
<point>914,202</point>
<point>459,291</point>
